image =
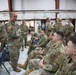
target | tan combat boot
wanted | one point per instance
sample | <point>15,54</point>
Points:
<point>17,70</point>
<point>29,71</point>
<point>23,66</point>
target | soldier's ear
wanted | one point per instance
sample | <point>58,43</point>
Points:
<point>74,53</point>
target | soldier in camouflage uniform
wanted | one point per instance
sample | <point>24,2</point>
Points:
<point>24,31</point>
<point>58,26</point>
<point>68,29</point>
<point>69,68</point>
<point>52,60</point>
<point>34,37</point>
<point>3,37</point>
<point>43,40</point>
<point>49,28</point>
<point>39,28</point>
<point>42,43</point>
<point>13,41</point>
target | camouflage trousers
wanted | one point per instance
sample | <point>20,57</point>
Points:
<point>14,55</point>
<point>2,43</point>
<point>39,72</point>
<point>33,64</point>
<point>25,39</point>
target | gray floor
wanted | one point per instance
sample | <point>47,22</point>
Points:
<point>22,58</point>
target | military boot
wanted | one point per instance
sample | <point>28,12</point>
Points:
<point>23,66</point>
<point>17,70</point>
<point>29,71</point>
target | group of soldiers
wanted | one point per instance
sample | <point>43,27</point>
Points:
<point>51,52</point>
<point>54,54</point>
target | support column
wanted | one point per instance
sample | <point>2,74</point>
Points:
<point>57,5</point>
<point>10,5</point>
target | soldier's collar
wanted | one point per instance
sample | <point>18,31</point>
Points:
<point>13,23</point>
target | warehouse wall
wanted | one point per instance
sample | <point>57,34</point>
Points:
<point>33,4</point>
<point>38,5</point>
<point>68,4</point>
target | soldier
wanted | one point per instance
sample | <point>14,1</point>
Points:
<point>43,39</point>
<point>13,41</point>
<point>69,68</point>
<point>68,29</point>
<point>34,37</point>
<point>49,27</point>
<point>42,43</point>
<point>39,28</point>
<point>58,26</point>
<point>3,36</point>
<point>52,60</point>
<point>30,28</point>
<point>24,31</point>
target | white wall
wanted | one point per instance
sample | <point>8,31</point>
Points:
<point>3,5</point>
<point>67,15</point>
<point>38,5</point>
<point>67,4</point>
<point>33,4</point>
<point>16,4</point>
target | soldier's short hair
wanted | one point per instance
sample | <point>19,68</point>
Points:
<point>59,19</point>
<point>47,18</point>
<point>70,19</point>
<point>73,39</point>
<point>11,13</point>
<point>60,33</point>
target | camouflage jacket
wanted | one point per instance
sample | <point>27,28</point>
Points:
<point>58,27</point>
<point>24,29</point>
<point>49,29</point>
<point>67,68</point>
<point>3,34</point>
<point>68,29</point>
<point>12,33</point>
<point>43,40</point>
<point>54,58</point>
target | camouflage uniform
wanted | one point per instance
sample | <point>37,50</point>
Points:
<point>67,68</point>
<point>13,43</point>
<point>58,27</point>
<point>24,30</point>
<point>43,40</point>
<point>35,53</point>
<point>42,43</point>
<point>39,28</point>
<point>68,31</point>
<point>31,45</point>
<point>3,37</point>
<point>49,29</point>
<point>51,61</point>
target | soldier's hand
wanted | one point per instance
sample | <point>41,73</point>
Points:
<point>41,51</point>
<point>41,63</point>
